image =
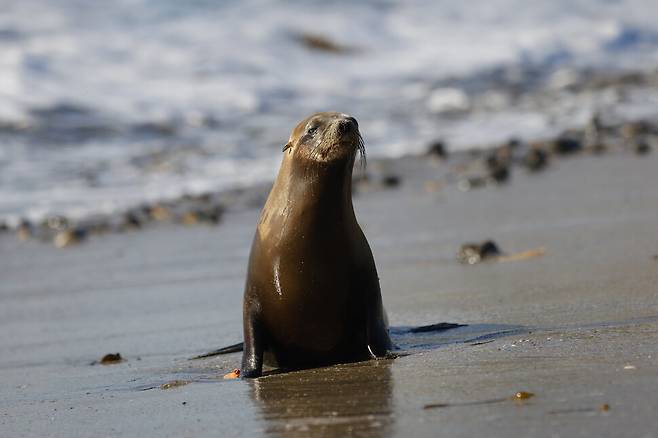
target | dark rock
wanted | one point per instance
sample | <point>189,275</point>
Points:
<point>567,145</point>
<point>514,143</point>
<point>321,43</point>
<point>155,129</point>
<point>535,160</point>
<point>211,214</point>
<point>489,249</point>
<point>498,164</point>
<point>437,149</point>
<point>500,174</point>
<point>391,181</point>
<point>492,161</point>
<point>642,148</point>
<point>110,359</point>
<point>131,221</point>
<point>473,253</point>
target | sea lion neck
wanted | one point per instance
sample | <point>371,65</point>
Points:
<point>314,188</point>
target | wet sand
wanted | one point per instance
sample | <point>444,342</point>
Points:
<point>577,327</point>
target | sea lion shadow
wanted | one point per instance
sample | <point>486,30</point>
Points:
<point>412,339</point>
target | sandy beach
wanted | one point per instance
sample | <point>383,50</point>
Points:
<point>576,327</point>
<point>511,191</point>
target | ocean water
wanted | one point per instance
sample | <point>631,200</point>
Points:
<point>104,105</point>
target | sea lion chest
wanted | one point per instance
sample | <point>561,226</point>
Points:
<point>303,266</point>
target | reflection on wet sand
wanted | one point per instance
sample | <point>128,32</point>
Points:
<point>334,401</point>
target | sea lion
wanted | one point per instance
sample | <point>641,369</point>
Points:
<point>312,295</point>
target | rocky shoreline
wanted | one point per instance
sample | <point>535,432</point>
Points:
<point>467,170</point>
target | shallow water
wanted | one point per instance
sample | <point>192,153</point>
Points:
<point>105,105</point>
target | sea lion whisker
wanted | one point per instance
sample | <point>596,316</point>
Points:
<point>362,152</point>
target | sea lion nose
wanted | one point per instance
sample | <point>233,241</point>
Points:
<point>347,124</point>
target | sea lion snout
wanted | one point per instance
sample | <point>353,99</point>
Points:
<point>345,130</point>
<point>330,138</point>
<point>347,125</point>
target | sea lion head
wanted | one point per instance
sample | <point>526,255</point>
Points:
<point>327,138</point>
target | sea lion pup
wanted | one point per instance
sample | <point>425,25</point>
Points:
<point>312,294</point>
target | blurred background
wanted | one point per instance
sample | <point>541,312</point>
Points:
<point>105,105</point>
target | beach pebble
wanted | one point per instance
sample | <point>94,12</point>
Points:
<point>391,181</point>
<point>131,221</point>
<point>473,253</point>
<point>498,165</point>
<point>514,143</point>
<point>536,159</point>
<point>437,149</point>
<point>642,148</point>
<point>190,218</point>
<point>160,212</point>
<point>321,43</point>
<point>523,395</point>
<point>211,215</point>
<point>24,230</point>
<point>634,129</point>
<point>69,237</point>
<point>567,145</point>
<point>232,375</point>
<point>500,174</point>
<point>109,359</point>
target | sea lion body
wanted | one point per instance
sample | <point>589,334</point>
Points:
<point>312,294</point>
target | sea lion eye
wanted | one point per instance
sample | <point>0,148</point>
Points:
<point>312,130</point>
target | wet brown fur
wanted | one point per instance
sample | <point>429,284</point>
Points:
<point>312,294</point>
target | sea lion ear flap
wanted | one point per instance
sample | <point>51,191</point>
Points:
<point>286,147</point>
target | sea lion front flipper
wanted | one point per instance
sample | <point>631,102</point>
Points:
<point>379,342</point>
<point>254,345</point>
<point>224,350</point>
